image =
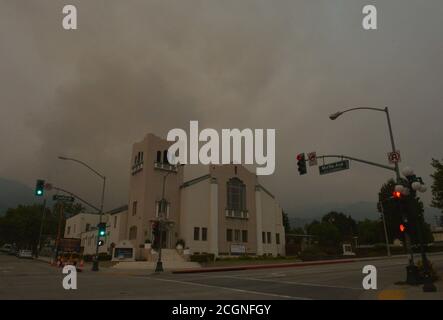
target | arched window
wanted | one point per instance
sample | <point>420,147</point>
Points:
<point>236,195</point>
<point>133,233</point>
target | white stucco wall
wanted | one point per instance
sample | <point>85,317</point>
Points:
<point>195,204</point>
<point>272,222</point>
<point>76,225</point>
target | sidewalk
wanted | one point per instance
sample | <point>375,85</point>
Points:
<point>285,265</point>
<point>405,292</point>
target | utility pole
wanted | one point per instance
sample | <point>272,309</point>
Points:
<point>60,220</point>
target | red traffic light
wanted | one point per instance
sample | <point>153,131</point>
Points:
<point>299,157</point>
<point>396,194</point>
<point>402,227</point>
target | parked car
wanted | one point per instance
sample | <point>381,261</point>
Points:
<point>6,248</point>
<point>25,254</point>
<point>13,251</point>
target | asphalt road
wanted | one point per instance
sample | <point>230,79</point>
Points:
<point>31,279</point>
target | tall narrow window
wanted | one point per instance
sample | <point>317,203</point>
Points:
<point>244,236</point>
<point>269,237</point>
<point>134,208</point>
<point>263,237</point>
<point>159,156</point>
<point>165,156</point>
<point>133,233</point>
<point>196,233</point>
<point>237,235</point>
<point>236,195</point>
<point>277,238</point>
<point>115,222</point>
<point>229,235</point>
<point>204,234</point>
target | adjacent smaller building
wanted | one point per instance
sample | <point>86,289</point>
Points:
<point>84,226</point>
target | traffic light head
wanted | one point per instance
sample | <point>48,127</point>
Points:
<point>39,188</point>
<point>301,163</point>
<point>402,228</point>
<point>102,229</point>
<point>397,195</point>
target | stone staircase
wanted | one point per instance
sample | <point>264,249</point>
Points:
<point>171,259</point>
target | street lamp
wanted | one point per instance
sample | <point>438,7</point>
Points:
<point>416,184</point>
<point>95,261</point>
<point>334,116</point>
<point>161,212</point>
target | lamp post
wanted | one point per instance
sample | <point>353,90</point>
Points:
<point>95,261</point>
<point>391,135</point>
<point>162,212</point>
<point>416,184</point>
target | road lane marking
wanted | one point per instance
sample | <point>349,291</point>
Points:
<point>293,283</point>
<point>232,289</point>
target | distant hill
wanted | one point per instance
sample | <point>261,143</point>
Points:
<point>13,193</point>
<point>358,211</point>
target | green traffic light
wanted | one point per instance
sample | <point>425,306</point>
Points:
<point>39,187</point>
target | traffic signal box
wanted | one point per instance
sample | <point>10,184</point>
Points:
<point>101,233</point>
<point>301,163</point>
<point>40,188</point>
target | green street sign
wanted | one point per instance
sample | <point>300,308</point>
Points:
<point>63,198</point>
<point>334,167</point>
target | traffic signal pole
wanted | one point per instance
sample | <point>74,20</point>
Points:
<point>41,228</point>
<point>95,260</point>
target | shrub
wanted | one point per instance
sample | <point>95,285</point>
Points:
<point>433,273</point>
<point>313,253</point>
<point>180,242</point>
<point>103,256</point>
<point>202,258</point>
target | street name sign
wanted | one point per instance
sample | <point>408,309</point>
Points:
<point>59,197</point>
<point>334,167</point>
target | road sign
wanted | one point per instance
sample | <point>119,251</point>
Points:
<point>334,167</point>
<point>312,157</point>
<point>394,157</point>
<point>63,198</point>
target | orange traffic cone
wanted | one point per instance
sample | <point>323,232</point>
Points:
<point>80,267</point>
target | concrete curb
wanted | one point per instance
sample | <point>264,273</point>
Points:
<point>263,266</point>
<point>284,265</point>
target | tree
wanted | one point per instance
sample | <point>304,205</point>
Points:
<point>345,224</point>
<point>327,234</point>
<point>370,232</point>
<point>286,223</point>
<point>437,185</point>
<point>21,225</point>
<point>71,209</point>
<point>395,211</point>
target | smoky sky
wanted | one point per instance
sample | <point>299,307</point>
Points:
<point>135,67</point>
